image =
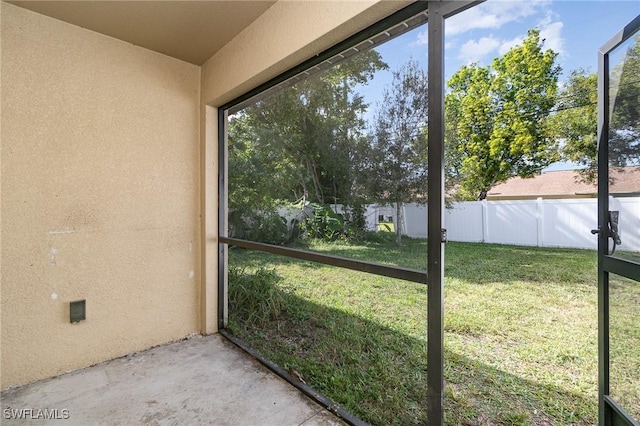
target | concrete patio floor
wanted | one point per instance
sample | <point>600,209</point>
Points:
<point>201,380</point>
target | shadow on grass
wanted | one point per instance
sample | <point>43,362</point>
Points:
<point>379,374</point>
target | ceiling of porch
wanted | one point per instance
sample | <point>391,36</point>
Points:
<point>192,31</point>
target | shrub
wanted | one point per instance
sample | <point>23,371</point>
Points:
<point>356,222</point>
<point>269,228</point>
<point>255,298</point>
<point>263,227</point>
<point>325,224</point>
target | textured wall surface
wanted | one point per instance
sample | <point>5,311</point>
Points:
<point>109,179</point>
<point>100,196</point>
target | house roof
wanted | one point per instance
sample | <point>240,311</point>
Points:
<point>566,183</point>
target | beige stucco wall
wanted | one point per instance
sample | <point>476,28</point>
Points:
<point>100,196</point>
<point>109,179</point>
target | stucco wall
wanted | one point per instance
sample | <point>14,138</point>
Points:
<point>109,179</point>
<point>100,196</point>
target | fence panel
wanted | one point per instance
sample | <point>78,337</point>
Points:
<point>512,222</point>
<point>415,220</point>
<point>465,222</point>
<point>568,223</point>
<point>629,223</point>
<point>545,223</point>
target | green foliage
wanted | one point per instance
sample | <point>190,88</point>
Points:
<point>576,121</point>
<point>260,226</point>
<point>497,117</point>
<point>258,176</point>
<point>254,298</point>
<point>357,221</point>
<point>269,228</point>
<point>258,180</point>
<point>327,225</point>
<point>624,90</point>
<point>303,142</point>
<point>398,154</point>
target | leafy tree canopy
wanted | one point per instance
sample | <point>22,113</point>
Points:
<point>624,92</point>
<point>304,141</point>
<point>575,122</point>
<point>498,117</point>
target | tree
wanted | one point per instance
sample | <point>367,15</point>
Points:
<point>575,122</point>
<point>257,174</point>
<point>307,137</point>
<point>501,116</point>
<point>398,156</point>
<point>624,92</point>
<point>257,180</point>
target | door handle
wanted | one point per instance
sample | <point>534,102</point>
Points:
<point>611,229</point>
<point>614,217</point>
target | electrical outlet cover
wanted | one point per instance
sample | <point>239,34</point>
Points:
<point>77,311</point>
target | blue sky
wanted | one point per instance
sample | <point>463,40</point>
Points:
<point>574,29</point>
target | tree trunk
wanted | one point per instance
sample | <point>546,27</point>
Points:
<point>399,221</point>
<point>311,168</point>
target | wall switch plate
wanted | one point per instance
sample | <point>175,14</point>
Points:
<point>77,311</point>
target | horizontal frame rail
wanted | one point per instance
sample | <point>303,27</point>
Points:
<point>407,274</point>
<point>626,268</point>
<point>620,416</point>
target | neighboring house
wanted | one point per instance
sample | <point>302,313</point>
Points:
<point>625,182</point>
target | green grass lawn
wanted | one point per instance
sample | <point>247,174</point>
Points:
<point>520,331</point>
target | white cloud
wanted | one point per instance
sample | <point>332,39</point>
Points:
<point>469,20</point>
<point>474,51</point>
<point>493,15</point>
<point>551,33</point>
<point>423,38</point>
<point>508,44</point>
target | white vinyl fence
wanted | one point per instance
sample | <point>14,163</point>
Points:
<point>543,223</point>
